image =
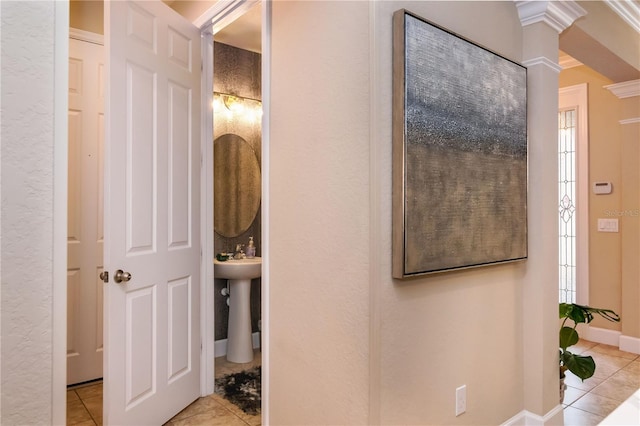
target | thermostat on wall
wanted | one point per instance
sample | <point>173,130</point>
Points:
<point>602,187</point>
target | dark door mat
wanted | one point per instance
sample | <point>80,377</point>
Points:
<point>243,389</point>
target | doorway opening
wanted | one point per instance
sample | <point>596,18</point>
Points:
<point>85,207</point>
<point>237,144</point>
<point>258,236</point>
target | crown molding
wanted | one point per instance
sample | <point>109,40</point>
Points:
<point>87,36</point>
<point>541,60</point>
<point>559,15</point>
<point>626,89</point>
<point>222,13</point>
<point>628,10</point>
<point>567,62</point>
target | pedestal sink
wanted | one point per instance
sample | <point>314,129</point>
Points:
<point>239,272</point>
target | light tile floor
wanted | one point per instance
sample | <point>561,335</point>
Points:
<point>84,404</point>
<point>586,403</point>
<point>616,378</point>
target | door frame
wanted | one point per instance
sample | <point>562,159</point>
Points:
<point>216,17</point>
<point>210,22</point>
<point>60,196</point>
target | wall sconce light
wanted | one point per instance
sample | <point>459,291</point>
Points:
<point>237,106</point>
<point>233,103</point>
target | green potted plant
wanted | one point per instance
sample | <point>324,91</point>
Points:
<point>580,365</point>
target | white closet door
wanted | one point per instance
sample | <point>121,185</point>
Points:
<point>85,206</point>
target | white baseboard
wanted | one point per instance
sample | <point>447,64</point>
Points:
<point>518,419</point>
<point>630,344</point>
<point>593,334</point>
<point>527,418</point>
<point>601,335</point>
<point>613,338</point>
<point>220,346</point>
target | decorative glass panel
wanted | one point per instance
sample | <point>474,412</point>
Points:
<point>567,204</point>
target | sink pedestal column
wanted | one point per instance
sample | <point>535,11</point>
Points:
<point>239,341</point>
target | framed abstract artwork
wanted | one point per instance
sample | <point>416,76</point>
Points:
<point>459,152</point>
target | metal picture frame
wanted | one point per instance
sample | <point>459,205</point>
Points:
<point>459,152</point>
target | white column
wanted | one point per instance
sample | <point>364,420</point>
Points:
<point>542,22</point>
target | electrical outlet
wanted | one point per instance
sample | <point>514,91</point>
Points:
<point>461,400</point>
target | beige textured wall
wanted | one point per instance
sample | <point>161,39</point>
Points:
<point>87,15</point>
<point>459,328</point>
<point>611,31</point>
<point>350,345</point>
<point>28,363</point>
<point>605,156</point>
<point>190,9</point>
<point>318,215</point>
<point>630,221</point>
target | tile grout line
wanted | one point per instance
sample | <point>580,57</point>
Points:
<point>590,391</point>
<point>221,363</point>
<point>87,408</point>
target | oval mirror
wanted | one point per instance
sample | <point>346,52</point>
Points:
<point>237,185</point>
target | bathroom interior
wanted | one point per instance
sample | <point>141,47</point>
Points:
<point>237,179</point>
<point>237,165</point>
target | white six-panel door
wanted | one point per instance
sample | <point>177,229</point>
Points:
<point>152,220</point>
<point>85,238</point>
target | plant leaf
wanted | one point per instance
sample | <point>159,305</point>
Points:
<point>568,337</point>
<point>607,314</point>
<point>584,314</point>
<point>581,366</point>
<point>579,315</point>
<point>565,308</point>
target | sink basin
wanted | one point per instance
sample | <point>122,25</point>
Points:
<point>240,269</point>
<point>239,273</point>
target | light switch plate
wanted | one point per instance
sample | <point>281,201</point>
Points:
<point>461,400</point>
<point>607,225</point>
